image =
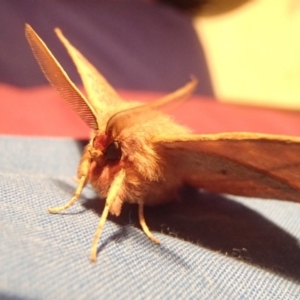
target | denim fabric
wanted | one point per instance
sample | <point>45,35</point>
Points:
<point>212,246</point>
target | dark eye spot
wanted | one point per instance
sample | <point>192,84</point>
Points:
<point>223,172</point>
<point>113,151</point>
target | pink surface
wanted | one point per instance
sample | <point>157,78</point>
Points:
<point>41,112</point>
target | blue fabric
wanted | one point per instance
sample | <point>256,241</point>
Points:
<point>212,247</point>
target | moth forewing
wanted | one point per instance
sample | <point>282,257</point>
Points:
<point>244,164</point>
<point>149,111</point>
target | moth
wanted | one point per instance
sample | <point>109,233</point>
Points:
<point>138,154</point>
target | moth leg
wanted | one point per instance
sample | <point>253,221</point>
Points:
<point>98,232</point>
<point>144,225</point>
<point>82,182</point>
<point>83,170</point>
<point>113,192</point>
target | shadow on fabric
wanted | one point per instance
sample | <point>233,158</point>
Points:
<point>216,223</point>
<point>219,224</point>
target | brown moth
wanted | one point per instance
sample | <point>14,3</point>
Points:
<point>137,154</point>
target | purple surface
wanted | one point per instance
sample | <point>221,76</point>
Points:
<point>135,44</point>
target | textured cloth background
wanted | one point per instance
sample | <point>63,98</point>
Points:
<point>212,247</point>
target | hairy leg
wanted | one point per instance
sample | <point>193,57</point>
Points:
<point>113,192</point>
<point>144,225</point>
<point>83,170</point>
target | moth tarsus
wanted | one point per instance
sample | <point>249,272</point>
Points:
<point>138,154</point>
<point>81,184</point>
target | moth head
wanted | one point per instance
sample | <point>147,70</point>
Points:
<point>127,138</point>
<point>106,149</point>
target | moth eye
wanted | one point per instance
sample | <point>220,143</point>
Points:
<point>113,151</point>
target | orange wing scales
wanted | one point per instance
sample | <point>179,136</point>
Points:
<point>266,168</point>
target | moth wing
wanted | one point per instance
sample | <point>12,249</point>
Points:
<point>245,164</point>
<point>142,113</point>
<point>101,94</point>
<point>59,79</point>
